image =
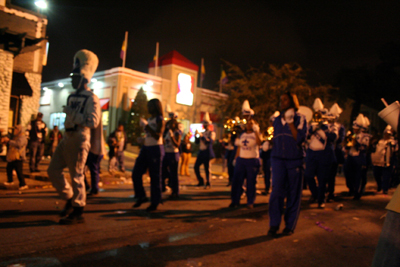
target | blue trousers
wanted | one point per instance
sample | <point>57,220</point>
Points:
<point>382,177</point>
<point>170,171</point>
<point>287,181</point>
<point>203,158</point>
<point>317,165</point>
<point>332,178</point>
<point>355,172</point>
<point>245,168</point>
<point>150,157</point>
<point>36,150</point>
<point>93,163</point>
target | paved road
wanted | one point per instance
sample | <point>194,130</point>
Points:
<point>196,230</point>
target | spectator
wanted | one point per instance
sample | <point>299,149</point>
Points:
<point>37,134</point>
<point>16,156</point>
<point>117,143</point>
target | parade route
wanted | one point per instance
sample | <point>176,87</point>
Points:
<point>196,230</point>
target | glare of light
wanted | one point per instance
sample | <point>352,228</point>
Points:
<point>93,80</point>
<point>45,88</point>
<point>149,83</point>
<point>41,4</point>
<point>98,85</point>
<point>61,85</point>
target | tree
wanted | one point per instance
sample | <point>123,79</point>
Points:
<point>138,110</point>
<point>262,88</point>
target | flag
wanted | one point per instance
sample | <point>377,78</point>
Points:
<point>123,50</point>
<point>203,72</point>
<point>224,78</point>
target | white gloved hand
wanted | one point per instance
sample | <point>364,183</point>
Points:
<point>289,115</point>
<point>256,128</point>
<point>143,122</point>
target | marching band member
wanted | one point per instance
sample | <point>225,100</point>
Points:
<point>247,164</point>
<point>356,161</point>
<point>172,140</point>
<point>320,155</point>
<point>287,158</point>
<point>382,160</point>
<point>206,152</point>
<point>335,112</point>
<point>83,115</point>
<point>150,157</point>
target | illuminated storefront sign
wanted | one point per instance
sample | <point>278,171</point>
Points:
<point>185,89</point>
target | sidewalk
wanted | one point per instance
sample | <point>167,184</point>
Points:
<point>40,179</point>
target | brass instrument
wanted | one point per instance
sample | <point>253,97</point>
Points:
<point>350,139</point>
<point>270,131</point>
<point>231,124</point>
<point>320,118</point>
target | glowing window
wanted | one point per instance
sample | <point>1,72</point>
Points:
<point>185,89</point>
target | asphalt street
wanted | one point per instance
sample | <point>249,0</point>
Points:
<point>196,230</point>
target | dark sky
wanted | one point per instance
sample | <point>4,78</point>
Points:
<point>321,36</point>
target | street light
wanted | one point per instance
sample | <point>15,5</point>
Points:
<point>42,4</point>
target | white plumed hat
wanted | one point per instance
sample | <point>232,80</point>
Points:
<point>317,106</point>
<point>85,63</point>
<point>335,110</point>
<point>361,122</point>
<point>246,110</point>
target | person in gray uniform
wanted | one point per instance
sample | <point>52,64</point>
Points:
<point>83,114</point>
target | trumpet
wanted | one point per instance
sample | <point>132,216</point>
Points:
<point>232,124</point>
<point>350,140</point>
<point>320,117</point>
<point>270,133</point>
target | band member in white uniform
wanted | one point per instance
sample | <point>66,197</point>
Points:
<point>247,164</point>
<point>83,113</point>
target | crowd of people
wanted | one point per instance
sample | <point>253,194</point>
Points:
<point>295,152</point>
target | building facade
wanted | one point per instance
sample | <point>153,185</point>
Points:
<point>23,53</point>
<point>173,83</point>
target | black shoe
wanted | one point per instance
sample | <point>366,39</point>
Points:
<point>74,218</point>
<point>265,193</point>
<point>273,230</point>
<point>321,205</point>
<point>233,205</point>
<point>151,208</point>
<point>200,184</point>
<point>140,201</point>
<point>330,198</point>
<point>208,185</point>
<point>67,209</point>
<point>287,231</point>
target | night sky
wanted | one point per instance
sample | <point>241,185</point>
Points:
<point>322,36</point>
